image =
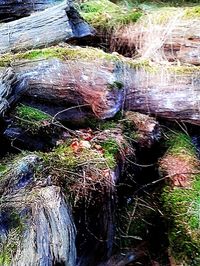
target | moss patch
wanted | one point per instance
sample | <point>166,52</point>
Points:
<point>182,204</point>
<point>9,247</point>
<point>103,14</point>
<point>31,118</point>
<point>192,12</point>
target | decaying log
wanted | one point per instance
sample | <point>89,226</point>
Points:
<point>53,25</point>
<point>73,82</point>
<point>35,220</point>
<point>172,93</point>
<point>13,9</point>
<point>107,86</point>
<point>179,167</point>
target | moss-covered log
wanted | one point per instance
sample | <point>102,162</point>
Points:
<point>53,25</point>
<point>39,229</point>
<point>180,168</point>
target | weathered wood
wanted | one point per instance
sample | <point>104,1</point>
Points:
<point>106,86</point>
<point>35,219</point>
<point>53,25</point>
<point>8,82</point>
<point>73,82</point>
<point>14,9</point>
<point>172,93</point>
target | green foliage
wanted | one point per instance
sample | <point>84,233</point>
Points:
<point>103,14</point>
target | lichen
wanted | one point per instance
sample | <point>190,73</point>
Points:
<point>182,203</point>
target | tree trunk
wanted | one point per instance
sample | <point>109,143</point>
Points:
<point>53,25</point>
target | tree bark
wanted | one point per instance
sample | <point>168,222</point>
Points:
<point>15,9</point>
<point>51,26</point>
<point>34,219</point>
<point>171,93</point>
<point>8,83</point>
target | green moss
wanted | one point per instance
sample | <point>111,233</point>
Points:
<point>31,114</point>
<point>103,14</point>
<point>192,12</point>
<point>184,70</point>
<point>31,118</point>
<point>87,54</point>
<point>9,247</point>
<point>179,144</point>
<point>111,150</point>
<point>116,85</point>
<point>62,53</point>
<point>182,206</point>
<point>2,168</point>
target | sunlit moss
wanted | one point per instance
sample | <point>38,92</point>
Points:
<point>87,54</point>
<point>104,14</point>
<point>31,118</point>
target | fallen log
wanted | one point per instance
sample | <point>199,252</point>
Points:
<point>107,83</point>
<point>53,25</point>
<point>169,92</point>
<point>15,9</point>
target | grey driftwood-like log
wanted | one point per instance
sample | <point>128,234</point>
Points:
<point>14,9</point>
<point>108,86</point>
<point>36,227</point>
<point>53,25</point>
